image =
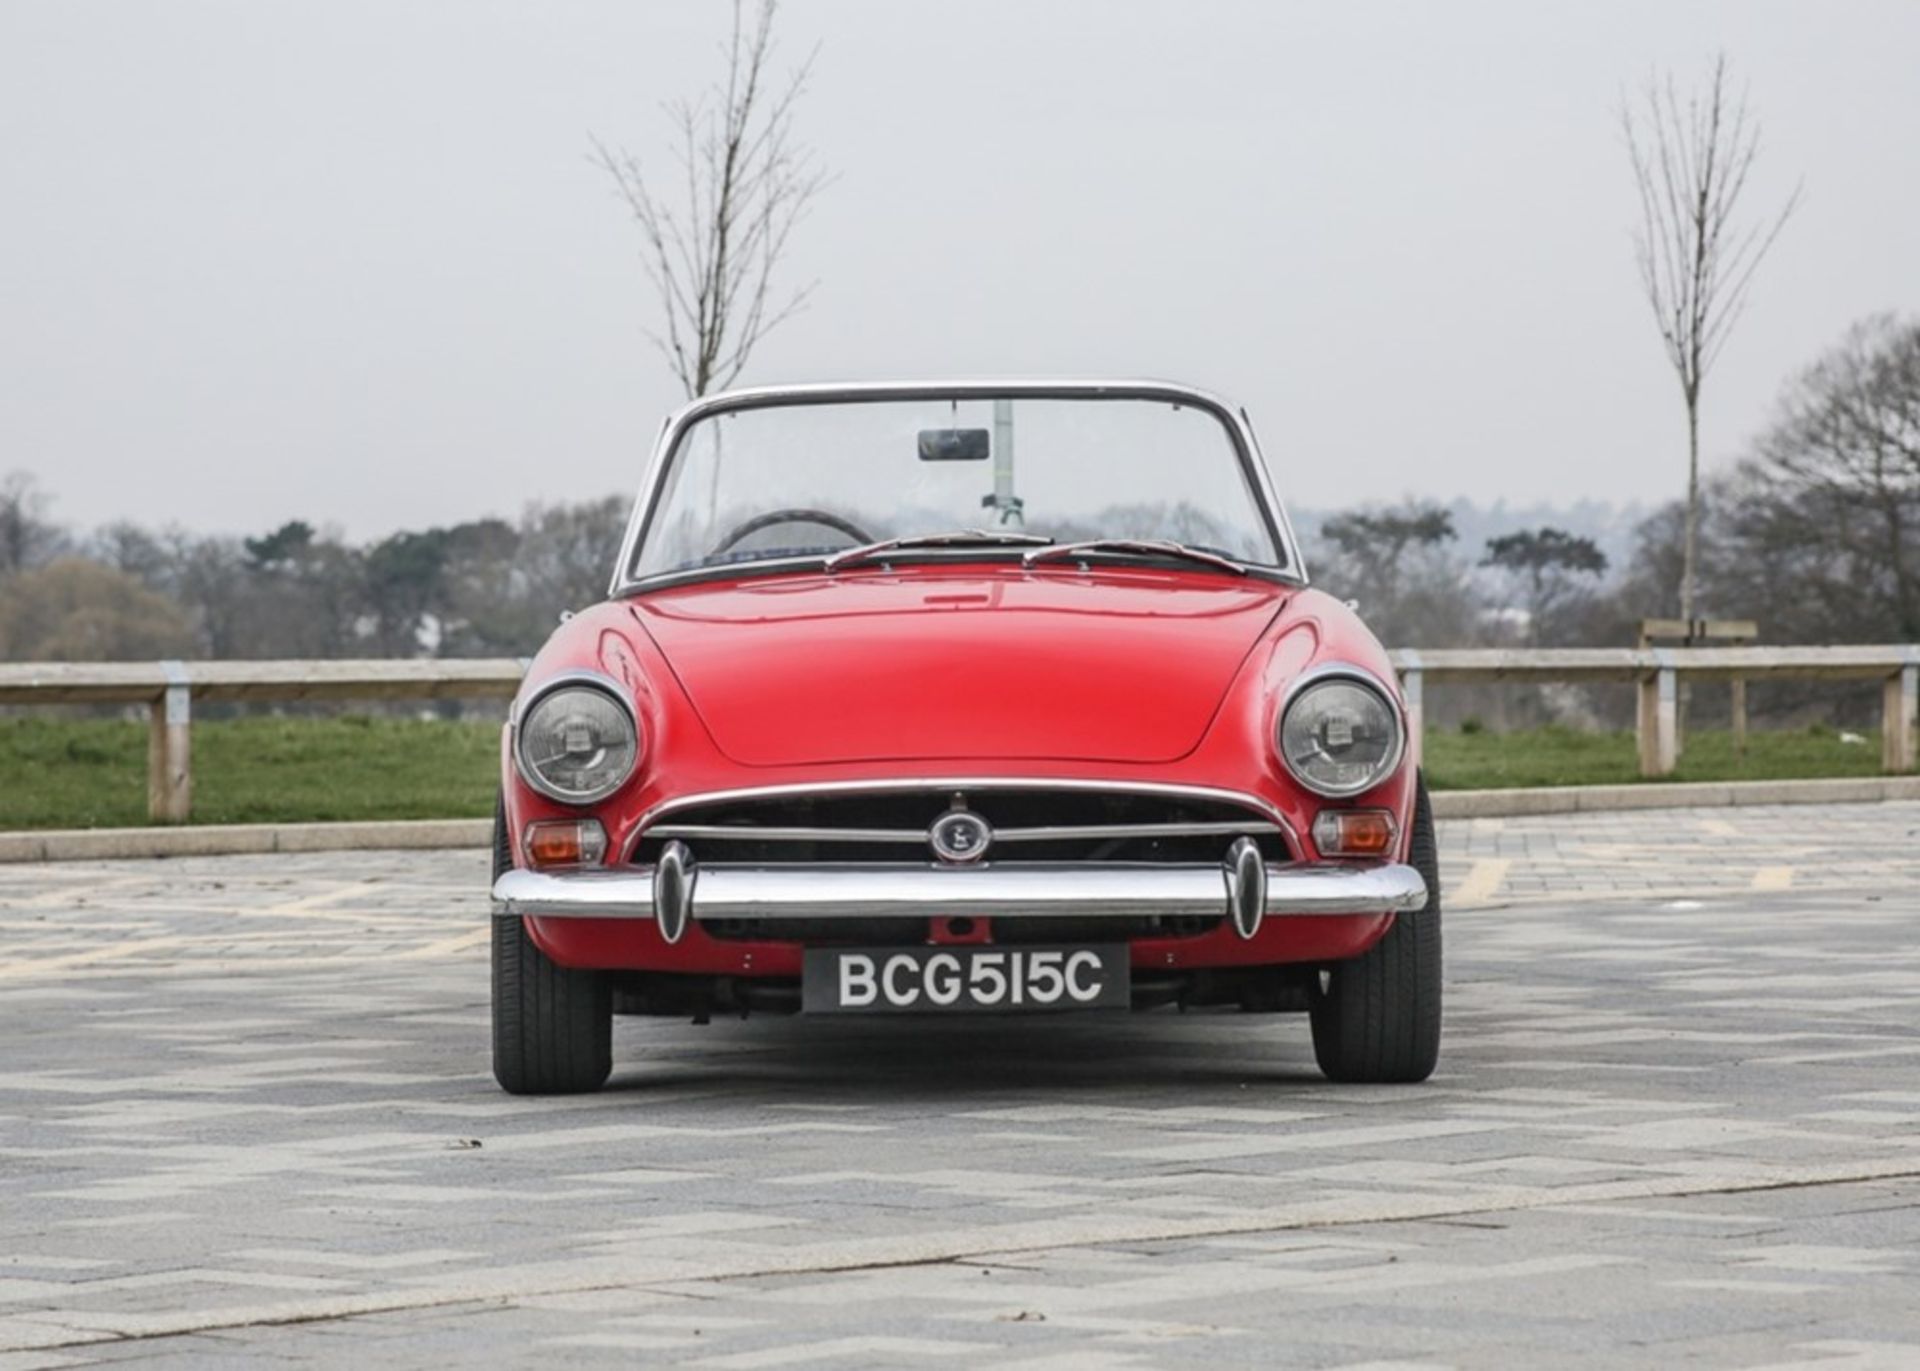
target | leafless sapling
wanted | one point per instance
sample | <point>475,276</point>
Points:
<point>714,236</point>
<point>1697,253</point>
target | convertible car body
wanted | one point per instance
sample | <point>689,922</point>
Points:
<point>983,697</point>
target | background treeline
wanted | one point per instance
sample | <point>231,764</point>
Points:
<point>1815,533</point>
<point>480,589</point>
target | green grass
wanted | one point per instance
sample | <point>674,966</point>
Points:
<point>92,773</point>
<point>1563,756</point>
<point>68,773</point>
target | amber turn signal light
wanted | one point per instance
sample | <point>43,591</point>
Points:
<point>565,842</point>
<point>1354,832</point>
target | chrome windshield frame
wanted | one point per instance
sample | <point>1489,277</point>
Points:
<point>1232,417</point>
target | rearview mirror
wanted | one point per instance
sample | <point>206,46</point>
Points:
<point>953,445</point>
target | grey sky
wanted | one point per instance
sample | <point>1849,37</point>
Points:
<point>348,262</point>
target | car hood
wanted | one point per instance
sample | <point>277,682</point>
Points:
<point>1120,665</point>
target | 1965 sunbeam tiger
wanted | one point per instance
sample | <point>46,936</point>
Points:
<point>970,698</point>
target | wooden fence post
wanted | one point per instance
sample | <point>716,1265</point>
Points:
<point>1411,688</point>
<point>1899,703</point>
<point>1658,718</point>
<point>1737,707</point>
<point>170,749</point>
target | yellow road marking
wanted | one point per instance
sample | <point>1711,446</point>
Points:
<point>1773,878</point>
<point>183,948</point>
<point>184,967</point>
<point>384,917</point>
<point>1484,878</point>
<point>447,946</point>
<point>30,966</point>
<point>310,904</point>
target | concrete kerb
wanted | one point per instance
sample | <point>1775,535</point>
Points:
<point>220,840</point>
<point>1597,799</point>
<point>214,840</point>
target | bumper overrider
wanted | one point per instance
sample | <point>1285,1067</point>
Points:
<point>1244,888</point>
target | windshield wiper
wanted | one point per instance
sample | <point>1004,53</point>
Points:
<point>1153,547</point>
<point>965,537</point>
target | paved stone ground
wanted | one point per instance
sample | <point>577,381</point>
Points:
<point>246,1118</point>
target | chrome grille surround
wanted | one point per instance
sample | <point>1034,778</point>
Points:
<point>1033,820</point>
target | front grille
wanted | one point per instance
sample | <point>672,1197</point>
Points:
<point>1030,824</point>
<point>1039,824</point>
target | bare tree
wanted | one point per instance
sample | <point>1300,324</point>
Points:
<point>73,610</point>
<point>1546,565</point>
<point>27,539</point>
<point>1696,254</point>
<point>1373,545</point>
<point>1395,561</point>
<point>714,241</point>
<point>1832,497</point>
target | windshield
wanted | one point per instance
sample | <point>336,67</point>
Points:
<point>809,480</point>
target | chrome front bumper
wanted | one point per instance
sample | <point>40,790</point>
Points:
<point>1243,889</point>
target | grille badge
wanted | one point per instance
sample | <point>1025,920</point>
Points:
<point>960,836</point>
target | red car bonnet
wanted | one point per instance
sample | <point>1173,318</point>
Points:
<point>944,662</point>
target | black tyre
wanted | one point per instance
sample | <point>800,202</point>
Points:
<point>552,1025</point>
<point>1377,1017</point>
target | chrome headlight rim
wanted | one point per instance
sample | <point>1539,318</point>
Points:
<point>574,680</point>
<point>1367,680</point>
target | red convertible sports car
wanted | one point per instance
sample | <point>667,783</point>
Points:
<point>967,698</point>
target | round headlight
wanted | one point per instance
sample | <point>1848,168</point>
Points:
<point>577,744</point>
<point>1340,736</point>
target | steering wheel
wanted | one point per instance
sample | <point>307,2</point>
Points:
<point>739,532</point>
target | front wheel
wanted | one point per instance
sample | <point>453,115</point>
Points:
<point>552,1025</point>
<point>1376,1018</point>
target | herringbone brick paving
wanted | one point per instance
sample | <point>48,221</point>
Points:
<point>246,1118</point>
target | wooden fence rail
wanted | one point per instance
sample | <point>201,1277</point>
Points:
<point>169,690</point>
<point>1657,673</point>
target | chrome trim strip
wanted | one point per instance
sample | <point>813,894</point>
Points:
<point>1046,833</point>
<point>790,834</point>
<point>1052,832</point>
<point>896,784</point>
<point>1040,890</point>
<point>1232,417</point>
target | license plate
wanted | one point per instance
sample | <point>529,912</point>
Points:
<point>963,979</point>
